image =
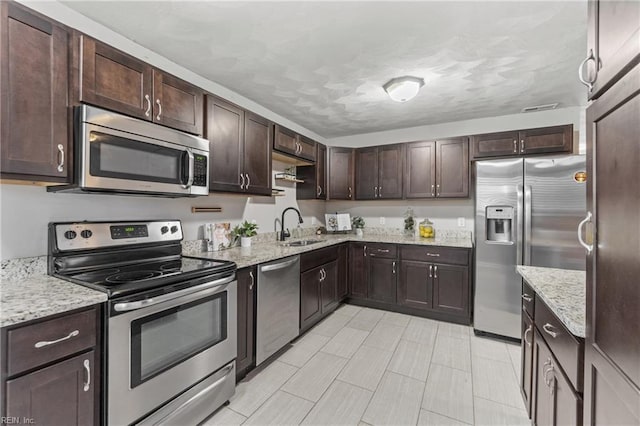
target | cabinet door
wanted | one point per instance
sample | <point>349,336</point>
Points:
<point>415,287</point>
<point>328,286</point>
<point>246,329</point>
<point>343,272</point>
<point>310,298</point>
<point>390,174</point>
<point>307,148</point>
<point>452,168</point>
<point>225,132</point>
<point>115,80</point>
<point>341,173</point>
<point>420,170</point>
<point>546,140</point>
<point>285,140</point>
<point>34,117</point>
<point>314,177</point>
<point>382,279</point>
<point>358,270</point>
<point>321,172</point>
<point>451,289</point>
<point>62,394</point>
<point>612,347</point>
<point>257,154</point>
<point>614,38</point>
<point>494,145</point>
<point>177,103</point>
<point>526,363</point>
<point>543,403</point>
<point>567,406</point>
<point>366,178</point>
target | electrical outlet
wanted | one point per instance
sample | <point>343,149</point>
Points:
<point>382,221</point>
<point>461,222</point>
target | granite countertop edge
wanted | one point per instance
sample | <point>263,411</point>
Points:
<point>563,291</point>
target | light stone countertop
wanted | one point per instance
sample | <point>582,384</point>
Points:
<point>563,291</point>
<point>266,252</point>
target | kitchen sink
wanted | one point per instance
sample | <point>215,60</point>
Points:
<point>301,243</point>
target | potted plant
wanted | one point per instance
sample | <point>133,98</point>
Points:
<point>245,231</point>
<point>358,223</point>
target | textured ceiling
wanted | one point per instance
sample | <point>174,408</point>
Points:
<point>322,64</point>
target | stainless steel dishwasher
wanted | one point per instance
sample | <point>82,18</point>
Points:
<point>278,307</point>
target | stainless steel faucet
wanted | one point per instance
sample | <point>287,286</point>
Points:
<point>284,234</point>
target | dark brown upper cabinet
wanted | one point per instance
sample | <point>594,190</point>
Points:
<point>341,173</point>
<point>114,80</point>
<point>34,118</point>
<point>239,149</point>
<point>544,140</point>
<point>613,43</point>
<point>314,186</point>
<point>379,172</point>
<point>291,144</point>
<point>437,169</point>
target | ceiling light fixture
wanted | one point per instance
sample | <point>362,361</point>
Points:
<point>402,89</point>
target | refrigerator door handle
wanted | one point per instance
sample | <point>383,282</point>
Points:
<point>527,225</point>
<point>518,225</point>
<point>588,247</point>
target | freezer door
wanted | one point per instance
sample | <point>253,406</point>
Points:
<point>555,203</point>
<point>498,286</point>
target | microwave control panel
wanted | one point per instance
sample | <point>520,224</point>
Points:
<point>199,170</point>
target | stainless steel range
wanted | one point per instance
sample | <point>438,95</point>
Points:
<point>170,320</point>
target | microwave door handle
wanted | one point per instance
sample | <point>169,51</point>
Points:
<point>190,167</point>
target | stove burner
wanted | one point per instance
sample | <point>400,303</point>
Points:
<point>133,276</point>
<point>172,266</point>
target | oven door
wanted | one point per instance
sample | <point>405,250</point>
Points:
<point>159,347</point>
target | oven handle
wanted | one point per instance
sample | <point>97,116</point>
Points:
<point>190,167</point>
<point>139,304</point>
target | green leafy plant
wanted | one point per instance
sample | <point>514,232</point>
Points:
<point>357,222</point>
<point>245,229</point>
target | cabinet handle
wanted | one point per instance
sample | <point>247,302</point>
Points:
<point>521,146</point>
<point>159,109</point>
<point>547,328</point>
<point>430,271</point>
<point>435,271</point>
<point>528,330</point>
<point>61,161</point>
<point>379,192</point>
<point>527,298</point>
<point>583,80</point>
<point>588,247</point>
<point>393,267</point>
<point>87,368</point>
<point>319,191</point>
<point>433,190</point>
<point>438,190</point>
<point>433,254</point>
<point>349,192</point>
<point>515,146</point>
<point>248,181</point>
<point>365,251</point>
<point>383,250</point>
<point>548,367</point>
<point>42,344</point>
<point>241,181</point>
<point>147,113</point>
<point>375,192</point>
<point>252,280</point>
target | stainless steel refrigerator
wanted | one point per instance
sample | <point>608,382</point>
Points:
<point>527,212</point>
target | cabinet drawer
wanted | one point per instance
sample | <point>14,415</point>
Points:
<point>528,300</point>
<point>47,341</point>
<point>389,251</point>
<point>454,256</point>
<point>568,349</point>
<point>318,257</point>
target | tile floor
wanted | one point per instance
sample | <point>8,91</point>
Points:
<point>364,366</point>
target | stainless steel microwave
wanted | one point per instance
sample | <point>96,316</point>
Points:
<point>119,154</point>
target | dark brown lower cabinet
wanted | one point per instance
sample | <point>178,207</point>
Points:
<point>382,279</point>
<point>415,287</point>
<point>526,360</point>
<point>358,271</point>
<point>328,286</point>
<point>310,298</point>
<point>451,288</point>
<point>246,278</point>
<point>342,283</point>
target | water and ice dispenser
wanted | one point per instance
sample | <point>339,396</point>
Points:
<point>499,224</point>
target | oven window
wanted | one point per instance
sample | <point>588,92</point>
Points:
<point>121,158</point>
<point>164,339</point>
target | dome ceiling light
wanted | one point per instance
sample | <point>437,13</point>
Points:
<point>402,89</point>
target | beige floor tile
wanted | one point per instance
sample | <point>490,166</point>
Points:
<point>384,336</point>
<point>303,349</point>
<point>452,352</point>
<point>281,409</point>
<point>516,359</point>
<point>421,330</point>
<point>485,347</point>
<point>454,330</point>
<point>411,359</point>
<point>346,342</point>
<point>427,418</point>
<point>315,377</point>
<point>395,402</point>
<point>394,318</point>
<point>366,367</point>
<point>496,381</point>
<point>331,325</point>
<point>251,394</point>
<point>342,404</point>
<point>224,417</point>
<point>366,319</point>
<point>348,310</point>
<point>489,413</point>
<point>449,392</point>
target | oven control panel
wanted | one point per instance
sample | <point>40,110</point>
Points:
<point>92,235</point>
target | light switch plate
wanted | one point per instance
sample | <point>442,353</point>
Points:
<point>382,221</point>
<point>461,222</point>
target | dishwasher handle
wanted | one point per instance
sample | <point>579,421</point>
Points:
<point>276,266</point>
